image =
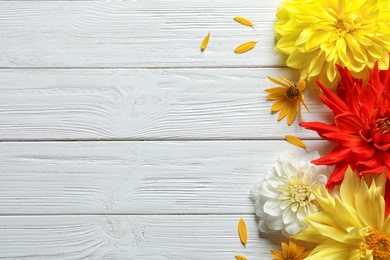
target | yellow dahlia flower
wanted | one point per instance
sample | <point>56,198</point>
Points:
<point>318,34</point>
<point>352,226</point>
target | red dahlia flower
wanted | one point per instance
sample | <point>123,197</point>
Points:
<point>361,126</point>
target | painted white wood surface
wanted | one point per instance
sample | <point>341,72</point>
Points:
<point>148,33</point>
<point>144,104</point>
<point>137,237</point>
<point>166,141</point>
<point>203,177</point>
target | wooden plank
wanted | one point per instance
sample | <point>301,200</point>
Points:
<point>142,237</point>
<point>144,104</point>
<point>135,177</point>
<point>151,33</point>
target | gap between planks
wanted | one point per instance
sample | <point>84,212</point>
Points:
<point>146,68</point>
<point>152,140</point>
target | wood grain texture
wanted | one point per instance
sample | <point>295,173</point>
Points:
<point>141,237</point>
<point>145,104</point>
<point>151,33</point>
<point>166,141</point>
<point>135,177</point>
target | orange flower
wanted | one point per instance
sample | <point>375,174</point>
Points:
<point>361,126</point>
<point>288,98</point>
<point>292,251</point>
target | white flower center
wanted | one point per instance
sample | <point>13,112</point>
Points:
<point>300,193</point>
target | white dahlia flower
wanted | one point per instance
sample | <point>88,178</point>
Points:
<point>283,199</point>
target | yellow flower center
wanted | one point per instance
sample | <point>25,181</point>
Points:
<point>292,93</point>
<point>300,194</point>
<point>379,243</point>
<point>347,23</point>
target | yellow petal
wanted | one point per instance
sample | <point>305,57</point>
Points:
<point>245,47</point>
<point>240,257</point>
<point>279,82</point>
<point>295,141</point>
<point>243,21</point>
<point>242,231</point>
<point>205,42</point>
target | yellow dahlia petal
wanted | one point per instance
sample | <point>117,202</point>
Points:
<point>346,214</point>
<point>371,214</point>
<point>386,226</point>
<point>331,252</point>
<point>328,231</point>
<point>316,64</point>
<point>299,60</point>
<point>349,183</point>
<point>286,44</point>
<point>358,52</point>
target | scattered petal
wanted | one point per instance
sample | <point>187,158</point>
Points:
<point>205,42</point>
<point>242,231</point>
<point>245,47</point>
<point>240,257</point>
<point>295,141</point>
<point>243,21</point>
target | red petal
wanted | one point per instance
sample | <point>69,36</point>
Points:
<point>371,170</point>
<point>349,89</point>
<point>330,99</point>
<point>336,176</point>
<point>386,160</point>
<point>342,138</point>
<point>319,127</point>
<point>363,150</point>
<point>338,154</point>
<point>348,123</point>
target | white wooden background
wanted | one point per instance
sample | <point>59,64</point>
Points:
<point>121,140</point>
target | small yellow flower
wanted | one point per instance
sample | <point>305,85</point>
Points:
<point>292,251</point>
<point>288,98</point>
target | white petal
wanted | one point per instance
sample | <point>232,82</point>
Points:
<point>294,227</point>
<point>267,191</point>
<point>302,213</point>
<point>294,207</point>
<point>312,208</point>
<point>285,204</point>
<point>255,191</point>
<point>275,223</point>
<point>288,216</point>
<point>259,207</point>
<point>272,207</point>
<point>273,183</point>
<point>263,226</point>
